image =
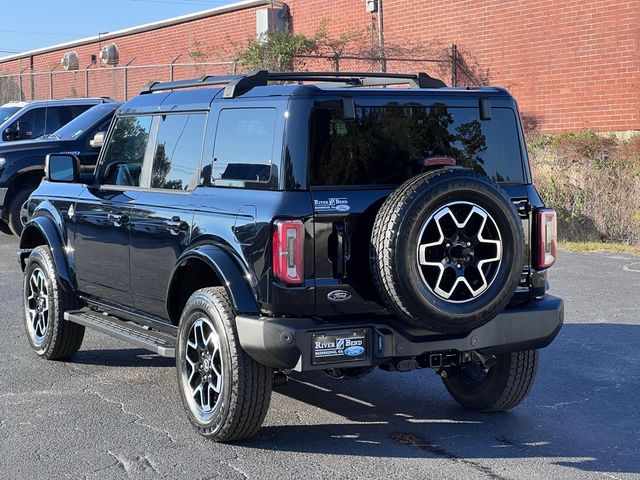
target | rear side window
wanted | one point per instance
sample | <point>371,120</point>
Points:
<point>59,116</point>
<point>124,153</point>
<point>177,152</point>
<point>31,124</point>
<point>244,147</point>
<point>388,145</point>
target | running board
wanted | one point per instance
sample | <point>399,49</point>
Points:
<point>158,342</point>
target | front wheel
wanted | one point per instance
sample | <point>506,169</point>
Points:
<point>4,228</point>
<point>50,335</point>
<point>18,212</point>
<point>498,388</point>
<point>225,392</point>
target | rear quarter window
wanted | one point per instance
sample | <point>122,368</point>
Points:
<point>244,144</point>
<point>387,145</point>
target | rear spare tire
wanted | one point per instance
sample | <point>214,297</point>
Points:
<point>447,250</point>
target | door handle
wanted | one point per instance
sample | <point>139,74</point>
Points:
<point>175,225</point>
<point>119,220</point>
<point>342,253</point>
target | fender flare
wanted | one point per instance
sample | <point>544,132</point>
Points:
<point>23,166</point>
<point>48,230</point>
<point>231,274</point>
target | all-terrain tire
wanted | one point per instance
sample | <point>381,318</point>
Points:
<point>50,335</point>
<point>395,245</point>
<point>503,387</point>
<point>16,217</point>
<point>244,396</point>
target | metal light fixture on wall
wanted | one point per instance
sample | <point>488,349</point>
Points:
<point>70,61</point>
<point>109,55</point>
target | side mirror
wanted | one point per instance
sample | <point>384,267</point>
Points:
<point>11,133</point>
<point>18,131</point>
<point>98,140</point>
<point>61,167</point>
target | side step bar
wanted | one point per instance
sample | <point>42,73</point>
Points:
<point>158,342</point>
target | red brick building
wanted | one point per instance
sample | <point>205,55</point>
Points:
<point>571,64</point>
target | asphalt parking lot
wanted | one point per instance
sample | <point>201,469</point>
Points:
<point>114,411</point>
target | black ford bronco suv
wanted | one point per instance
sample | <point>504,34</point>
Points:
<point>254,225</point>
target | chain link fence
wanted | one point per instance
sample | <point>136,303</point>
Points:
<point>124,82</point>
<point>119,82</point>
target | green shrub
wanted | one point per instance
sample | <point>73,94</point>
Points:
<point>593,181</point>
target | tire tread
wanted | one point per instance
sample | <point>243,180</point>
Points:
<point>66,338</point>
<point>511,388</point>
<point>388,226</point>
<point>249,398</point>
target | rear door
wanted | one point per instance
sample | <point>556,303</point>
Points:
<point>162,217</point>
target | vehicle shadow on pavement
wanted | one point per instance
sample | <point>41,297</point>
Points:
<point>580,413</point>
<point>126,357</point>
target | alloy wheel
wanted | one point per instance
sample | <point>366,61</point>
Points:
<point>459,251</point>
<point>202,372</point>
<point>24,213</point>
<point>38,306</point>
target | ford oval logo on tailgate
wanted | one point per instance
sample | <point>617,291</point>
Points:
<point>354,351</point>
<point>339,295</point>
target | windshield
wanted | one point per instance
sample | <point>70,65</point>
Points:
<point>84,122</point>
<point>6,112</point>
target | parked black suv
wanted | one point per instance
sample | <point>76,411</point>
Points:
<point>22,163</point>
<point>257,229</point>
<point>35,118</point>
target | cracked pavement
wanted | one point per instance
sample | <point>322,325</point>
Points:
<point>114,410</point>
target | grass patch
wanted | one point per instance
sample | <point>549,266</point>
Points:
<point>593,182</point>
<point>600,247</point>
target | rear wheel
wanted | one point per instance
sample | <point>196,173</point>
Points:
<point>225,392</point>
<point>498,388</point>
<point>18,212</point>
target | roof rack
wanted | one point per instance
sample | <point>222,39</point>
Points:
<point>236,85</point>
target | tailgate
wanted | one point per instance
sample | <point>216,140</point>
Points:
<point>343,222</point>
<point>342,228</point>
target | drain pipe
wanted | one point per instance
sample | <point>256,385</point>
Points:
<point>383,60</point>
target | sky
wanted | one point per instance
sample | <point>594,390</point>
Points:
<point>49,22</point>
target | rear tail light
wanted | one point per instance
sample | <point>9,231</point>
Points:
<point>547,232</point>
<point>288,243</point>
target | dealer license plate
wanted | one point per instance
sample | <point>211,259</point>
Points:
<point>340,346</point>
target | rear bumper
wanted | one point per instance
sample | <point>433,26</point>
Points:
<point>287,342</point>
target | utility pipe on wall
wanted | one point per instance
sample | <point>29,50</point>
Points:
<point>383,60</point>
